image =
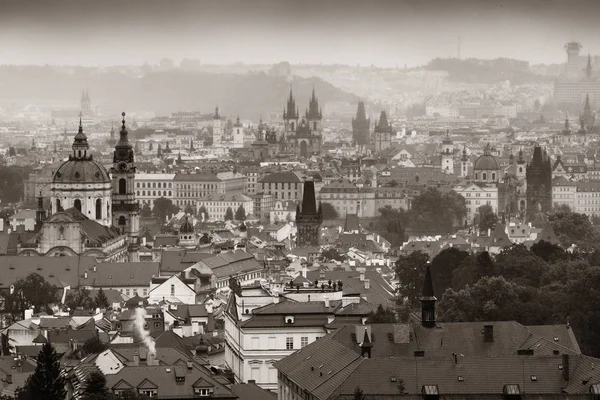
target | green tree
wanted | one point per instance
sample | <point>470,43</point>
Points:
<point>95,388</point>
<point>93,345</point>
<point>493,299</point>
<point>12,152</point>
<point>548,252</point>
<point>146,211</point>
<point>383,315</point>
<point>35,291</point>
<point>574,228</point>
<point>240,213</point>
<point>329,211</point>
<point>410,271</point>
<point>435,211</point>
<point>229,214</point>
<point>331,253</point>
<point>487,218</point>
<point>101,300</point>
<point>471,269</point>
<point>391,224</point>
<point>79,297</point>
<point>202,211</point>
<point>189,209</point>
<point>164,207</point>
<point>519,265</point>
<point>47,382</point>
<point>443,266</point>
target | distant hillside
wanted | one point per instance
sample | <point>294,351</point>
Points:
<point>248,95</point>
<point>475,71</point>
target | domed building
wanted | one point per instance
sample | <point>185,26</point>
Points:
<point>83,184</point>
<point>486,168</point>
<point>187,233</point>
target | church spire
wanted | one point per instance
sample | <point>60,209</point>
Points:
<point>588,69</point>
<point>123,149</point>
<point>291,111</point>
<point>80,143</point>
<point>428,300</point>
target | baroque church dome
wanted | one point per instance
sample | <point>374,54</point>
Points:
<point>487,162</point>
<point>80,167</point>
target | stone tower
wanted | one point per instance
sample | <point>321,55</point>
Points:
<point>539,182</point>
<point>361,125</point>
<point>314,114</point>
<point>290,115</point>
<point>125,208</point>
<point>217,129</point>
<point>308,218</point>
<point>447,154</point>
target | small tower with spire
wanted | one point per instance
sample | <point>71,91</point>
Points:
<point>125,207</point>
<point>314,114</point>
<point>587,115</point>
<point>428,300</point>
<point>80,145</point>
<point>86,104</point>
<point>217,129</point>
<point>290,114</point>
<point>521,166</point>
<point>238,133</point>
<point>464,163</point>
<point>447,154</point>
<point>588,68</point>
<point>40,213</point>
<point>366,345</point>
<point>383,133</point>
<point>308,218</point>
<point>361,125</point>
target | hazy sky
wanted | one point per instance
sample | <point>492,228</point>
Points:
<point>382,32</point>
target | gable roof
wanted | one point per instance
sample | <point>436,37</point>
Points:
<point>119,274</point>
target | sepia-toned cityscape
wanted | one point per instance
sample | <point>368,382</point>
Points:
<point>299,200</point>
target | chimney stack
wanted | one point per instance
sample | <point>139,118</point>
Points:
<point>136,359</point>
<point>362,275</point>
<point>326,302</point>
<point>488,333</point>
<point>565,367</point>
<point>367,284</point>
<point>150,359</point>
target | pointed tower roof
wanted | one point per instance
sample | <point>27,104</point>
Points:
<point>80,142</point>
<point>464,154</point>
<point>309,203</point>
<point>499,237</point>
<point>313,111</point>
<point>216,116</point>
<point>291,111</point>
<point>588,68</point>
<point>548,235</point>
<point>366,341</point>
<point>123,148</point>
<point>383,125</point>
<point>427,293</point>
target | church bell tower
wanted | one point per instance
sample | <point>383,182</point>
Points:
<point>126,212</point>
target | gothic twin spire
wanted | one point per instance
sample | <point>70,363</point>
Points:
<point>313,112</point>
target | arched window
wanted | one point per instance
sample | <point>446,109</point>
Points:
<point>58,206</point>
<point>476,176</point>
<point>169,192</point>
<point>315,125</point>
<point>153,184</point>
<point>154,193</point>
<point>484,176</point>
<point>493,176</point>
<point>98,209</point>
<point>143,192</point>
<point>122,186</point>
<point>77,205</point>
<point>121,220</point>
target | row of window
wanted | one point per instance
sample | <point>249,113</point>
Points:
<point>163,185</point>
<point>154,193</point>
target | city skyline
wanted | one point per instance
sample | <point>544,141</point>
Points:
<point>384,33</point>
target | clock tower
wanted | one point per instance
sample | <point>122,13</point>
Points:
<point>125,208</point>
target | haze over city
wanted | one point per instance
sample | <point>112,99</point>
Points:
<point>381,32</point>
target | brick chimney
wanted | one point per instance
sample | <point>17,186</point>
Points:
<point>565,367</point>
<point>367,284</point>
<point>136,359</point>
<point>488,333</point>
